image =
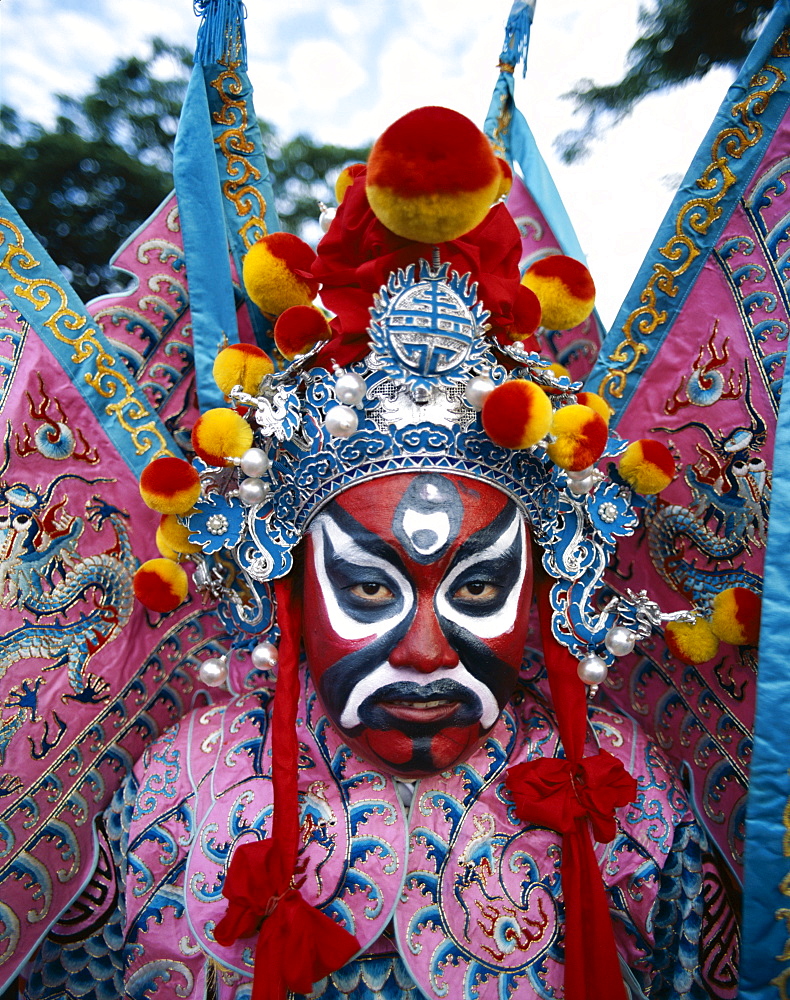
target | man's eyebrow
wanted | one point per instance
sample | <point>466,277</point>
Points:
<point>368,540</point>
<point>487,535</point>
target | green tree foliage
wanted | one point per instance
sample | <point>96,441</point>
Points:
<point>86,185</point>
<point>680,40</point>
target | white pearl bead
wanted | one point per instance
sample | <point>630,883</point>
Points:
<point>581,474</point>
<point>350,389</point>
<point>341,421</point>
<point>325,218</point>
<point>265,655</point>
<point>254,462</point>
<point>478,390</point>
<point>213,672</point>
<point>252,491</point>
<point>581,486</point>
<point>592,669</point>
<point>620,640</point>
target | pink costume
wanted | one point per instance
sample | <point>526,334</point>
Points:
<point>451,897</point>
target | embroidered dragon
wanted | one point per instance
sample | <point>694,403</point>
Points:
<point>42,572</point>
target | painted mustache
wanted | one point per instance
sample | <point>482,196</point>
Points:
<point>429,706</point>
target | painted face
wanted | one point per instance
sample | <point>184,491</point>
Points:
<point>417,591</point>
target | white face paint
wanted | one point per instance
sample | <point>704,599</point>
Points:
<point>325,532</point>
<point>503,619</point>
<point>428,533</point>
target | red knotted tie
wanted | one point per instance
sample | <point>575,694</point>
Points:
<point>297,944</point>
<point>564,796</point>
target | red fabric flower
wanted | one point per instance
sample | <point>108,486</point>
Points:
<point>358,254</point>
<point>553,792</point>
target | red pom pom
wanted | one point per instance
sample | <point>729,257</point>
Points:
<point>298,329</point>
<point>516,414</point>
<point>506,180</point>
<point>432,176</point>
<point>161,585</point>
<point>526,318</point>
<point>170,485</point>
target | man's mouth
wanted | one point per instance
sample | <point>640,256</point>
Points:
<point>433,710</point>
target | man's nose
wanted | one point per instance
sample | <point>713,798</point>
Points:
<point>424,647</point>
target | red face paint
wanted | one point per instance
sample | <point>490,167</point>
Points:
<point>417,591</point>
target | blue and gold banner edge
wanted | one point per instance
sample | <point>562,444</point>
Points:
<point>624,358</point>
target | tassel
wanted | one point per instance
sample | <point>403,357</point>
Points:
<point>221,37</point>
<point>517,35</point>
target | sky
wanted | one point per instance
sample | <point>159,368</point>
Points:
<point>342,70</point>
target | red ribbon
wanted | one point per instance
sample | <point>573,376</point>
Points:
<point>297,944</point>
<point>563,796</point>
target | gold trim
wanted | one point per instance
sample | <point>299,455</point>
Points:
<point>693,220</point>
<point>73,328</point>
<point>239,187</point>
<point>504,119</point>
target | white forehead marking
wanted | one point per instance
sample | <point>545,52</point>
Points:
<point>343,624</point>
<point>503,620</point>
<point>428,533</point>
<point>387,674</point>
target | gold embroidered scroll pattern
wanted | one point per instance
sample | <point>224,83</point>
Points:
<point>781,981</point>
<point>239,188</point>
<point>694,220</point>
<point>73,328</point>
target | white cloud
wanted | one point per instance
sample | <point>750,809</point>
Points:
<point>343,71</point>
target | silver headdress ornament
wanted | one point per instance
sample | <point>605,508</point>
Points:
<point>413,404</point>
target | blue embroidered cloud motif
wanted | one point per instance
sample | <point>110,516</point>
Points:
<point>216,522</point>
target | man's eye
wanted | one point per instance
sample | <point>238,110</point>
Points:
<point>372,591</point>
<point>476,590</point>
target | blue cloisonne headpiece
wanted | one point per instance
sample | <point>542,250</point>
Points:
<point>412,405</point>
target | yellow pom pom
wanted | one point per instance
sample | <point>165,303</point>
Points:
<point>516,414</point>
<point>735,616</point>
<point>432,176</point>
<point>559,370</point>
<point>565,290</point>
<point>160,585</point>
<point>580,436</point>
<point>172,538</point>
<point>691,642</point>
<point>221,434</point>
<point>244,365</point>
<point>348,175</point>
<point>165,551</point>
<point>647,466</point>
<point>276,273</point>
<point>597,403</point>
